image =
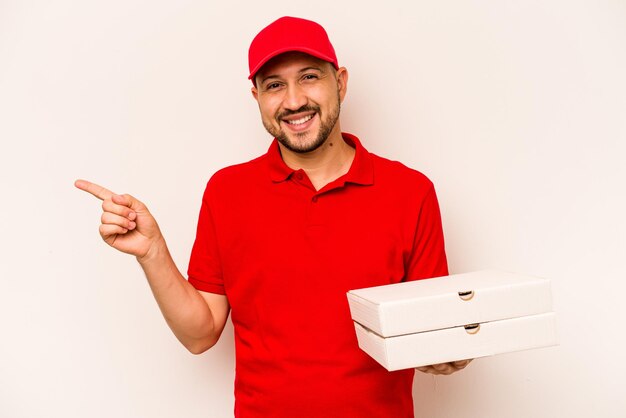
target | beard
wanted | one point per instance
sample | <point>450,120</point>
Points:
<point>301,147</point>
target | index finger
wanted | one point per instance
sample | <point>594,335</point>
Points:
<point>94,189</point>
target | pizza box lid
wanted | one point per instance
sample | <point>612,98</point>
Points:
<point>449,301</point>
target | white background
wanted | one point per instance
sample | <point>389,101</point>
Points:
<point>515,109</point>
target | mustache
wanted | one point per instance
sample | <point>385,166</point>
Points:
<point>305,108</point>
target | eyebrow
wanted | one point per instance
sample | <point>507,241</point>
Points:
<point>305,69</point>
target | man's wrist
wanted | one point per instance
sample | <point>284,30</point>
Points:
<point>156,252</point>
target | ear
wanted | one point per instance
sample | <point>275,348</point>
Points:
<point>342,82</point>
<point>255,93</point>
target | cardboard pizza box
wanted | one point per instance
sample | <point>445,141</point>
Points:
<point>451,318</point>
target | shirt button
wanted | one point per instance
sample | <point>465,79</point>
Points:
<point>314,199</point>
<point>299,176</point>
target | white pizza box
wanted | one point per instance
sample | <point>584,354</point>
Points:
<point>451,318</point>
<point>444,302</point>
<point>459,343</point>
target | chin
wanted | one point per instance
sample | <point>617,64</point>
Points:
<point>299,145</point>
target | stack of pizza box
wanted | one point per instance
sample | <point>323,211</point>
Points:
<point>456,317</point>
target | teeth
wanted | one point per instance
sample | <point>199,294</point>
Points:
<point>299,121</point>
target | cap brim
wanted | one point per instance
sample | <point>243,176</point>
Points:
<point>306,50</point>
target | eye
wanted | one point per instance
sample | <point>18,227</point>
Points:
<point>272,86</point>
<point>309,77</point>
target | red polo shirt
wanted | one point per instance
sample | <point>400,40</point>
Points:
<point>285,255</point>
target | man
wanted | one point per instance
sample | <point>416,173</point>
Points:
<point>282,238</point>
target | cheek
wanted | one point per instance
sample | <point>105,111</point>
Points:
<point>269,110</point>
<point>326,97</point>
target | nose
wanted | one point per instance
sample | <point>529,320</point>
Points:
<point>294,97</point>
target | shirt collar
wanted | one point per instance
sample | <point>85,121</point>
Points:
<point>361,171</point>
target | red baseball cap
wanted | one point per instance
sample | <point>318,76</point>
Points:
<point>289,34</point>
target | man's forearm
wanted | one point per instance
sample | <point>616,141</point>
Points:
<point>128,226</point>
<point>185,311</point>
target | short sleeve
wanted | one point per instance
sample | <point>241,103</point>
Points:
<point>205,271</point>
<point>428,255</point>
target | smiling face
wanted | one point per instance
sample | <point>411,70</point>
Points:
<point>299,97</point>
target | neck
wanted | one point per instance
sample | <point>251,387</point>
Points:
<point>324,165</point>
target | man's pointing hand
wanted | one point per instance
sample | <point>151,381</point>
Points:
<point>126,223</point>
